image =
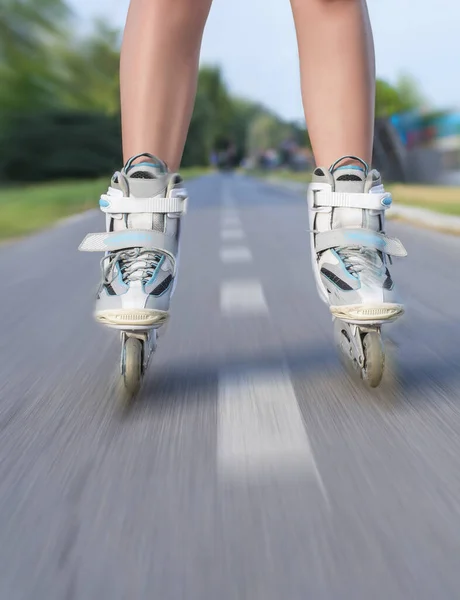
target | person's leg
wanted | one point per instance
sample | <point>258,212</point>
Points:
<point>337,75</point>
<point>146,199</point>
<point>346,200</point>
<point>158,75</point>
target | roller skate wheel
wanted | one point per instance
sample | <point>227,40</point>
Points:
<point>374,359</point>
<point>132,366</point>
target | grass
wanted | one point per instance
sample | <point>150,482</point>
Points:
<point>25,209</point>
<point>440,199</point>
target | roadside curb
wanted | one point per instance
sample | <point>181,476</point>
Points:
<point>410,214</point>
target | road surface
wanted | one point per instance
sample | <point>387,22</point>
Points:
<point>251,467</point>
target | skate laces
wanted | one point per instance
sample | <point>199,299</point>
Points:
<point>357,260</point>
<point>135,265</point>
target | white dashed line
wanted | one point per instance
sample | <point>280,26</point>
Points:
<point>260,428</point>
<point>235,254</point>
<point>230,220</point>
<point>242,296</point>
<point>232,234</point>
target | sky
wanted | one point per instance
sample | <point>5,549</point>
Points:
<point>254,43</point>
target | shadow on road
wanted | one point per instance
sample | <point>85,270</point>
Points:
<point>174,382</point>
<point>187,383</point>
<point>410,377</point>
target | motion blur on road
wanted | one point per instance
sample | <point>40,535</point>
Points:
<point>251,466</point>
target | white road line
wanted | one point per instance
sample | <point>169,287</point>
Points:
<point>232,234</point>
<point>230,220</point>
<point>242,296</point>
<point>260,428</point>
<point>235,254</point>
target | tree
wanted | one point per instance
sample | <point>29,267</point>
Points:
<point>201,132</point>
<point>59,100</point>
<point>27,29</point>
<point>300,134</point>
<point>213,121</point>
<point>89,71</point>
<point>403,97</point>
<point>24,24</point>
<point>409,92</point>
<point>266,131</point>
<point>211,85</point>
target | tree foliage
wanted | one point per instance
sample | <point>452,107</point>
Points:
<point>403,97</point>
<point>60,109</point>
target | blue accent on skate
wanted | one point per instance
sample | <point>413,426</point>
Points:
<point>130,162</point>
<point>144,164</point>
<point>366,238</point>
<point>120,279</point>
<point>103,203</point>
<point>387,201</point>
<point>137,238</point>
<point>108,286</point>
<point>154,276</point>
<point>155,273</point>
<point>355,167</point>
<point>342,264</point>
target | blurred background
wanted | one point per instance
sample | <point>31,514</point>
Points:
<point>59,99</point>
<point>251,466</point>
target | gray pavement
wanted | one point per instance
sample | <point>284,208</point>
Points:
<point>251,467</point>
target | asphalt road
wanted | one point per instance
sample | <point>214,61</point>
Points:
<point>251,467</point>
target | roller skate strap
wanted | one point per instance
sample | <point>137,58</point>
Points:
<point>371,201</point>
<point>358,237</point>
<point>121,204</point>
<point>130,238</point>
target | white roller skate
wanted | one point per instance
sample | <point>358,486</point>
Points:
<point>350,253</point>
<point>143,207</point>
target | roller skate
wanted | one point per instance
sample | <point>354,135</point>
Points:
<point>143,206</point>
<point>351,255</point>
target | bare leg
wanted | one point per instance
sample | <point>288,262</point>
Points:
<point>158,75</point>
<point>337,67</point>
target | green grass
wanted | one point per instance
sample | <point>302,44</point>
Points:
<point>439,199</point>
<point>25,209</point>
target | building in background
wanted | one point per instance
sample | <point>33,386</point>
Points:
<point>429,146</point>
